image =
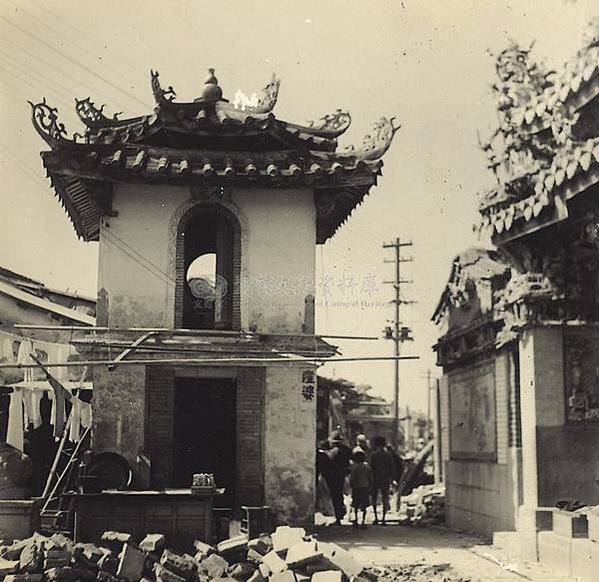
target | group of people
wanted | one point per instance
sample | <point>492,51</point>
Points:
<point>369,469</point>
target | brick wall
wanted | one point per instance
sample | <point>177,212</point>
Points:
<point>250,436</point>
<point>160,413</point>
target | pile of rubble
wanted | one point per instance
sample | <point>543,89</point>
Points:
<point>287,555</point>
<point>418,573</point>
<point>426,505</point>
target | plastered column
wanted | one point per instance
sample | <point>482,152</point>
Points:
<point>289,446</point>
<point>542,401</point>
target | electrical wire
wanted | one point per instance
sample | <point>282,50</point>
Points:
<point>73,61</point>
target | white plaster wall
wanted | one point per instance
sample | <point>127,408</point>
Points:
<point>280,258</point>
<point>136,262</point>
<point>289,447</point>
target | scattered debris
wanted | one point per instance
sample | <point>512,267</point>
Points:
<point>288,555</point>
<point>413,573</point>
<point>426,505</point>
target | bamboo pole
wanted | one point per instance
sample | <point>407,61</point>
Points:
<point>182,331</point>
<point>212,361</point>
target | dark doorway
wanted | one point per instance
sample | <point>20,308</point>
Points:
<point>204,435</point>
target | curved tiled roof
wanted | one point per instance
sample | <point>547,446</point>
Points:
<point>546,149</point>
<point>208,140</point>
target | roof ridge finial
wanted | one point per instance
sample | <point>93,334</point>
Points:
<point>212,92</point>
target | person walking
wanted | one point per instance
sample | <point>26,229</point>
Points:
<point>361,482</point>
<point>381,464</point>
<point>362,444</point>
<point>340,454</point>
<point>398,471</point>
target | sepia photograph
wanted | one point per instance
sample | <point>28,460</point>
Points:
<point>299,290</point>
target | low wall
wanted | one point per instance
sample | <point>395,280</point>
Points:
<point>479,497</point>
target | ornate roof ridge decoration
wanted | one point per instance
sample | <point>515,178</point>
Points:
<point>264,102</point>
<point>45,121</point>
<point>209,142</point>
<point>544,151</point>
<point>91,116</point>
<point>330,125</point>
<point>161,96</point>
<point>470,270</point>
<point>376,143</point>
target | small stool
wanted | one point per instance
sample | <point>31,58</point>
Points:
<point>256,520</point>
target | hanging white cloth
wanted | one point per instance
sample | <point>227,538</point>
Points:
<point>36,403</point>
<point>28,406</point>
<point>24,357</point>
<point>86,414</point>
<point>8,355</point>
<point>59,354</point>
<point>75,427</point>
<point>14,434</point>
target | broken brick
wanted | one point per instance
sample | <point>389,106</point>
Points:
<point>24,578</point>
<point>241,571</point>
<point>284,537</point>
<point>215,566</point>
<point>274,563</point>
<point>203,548</point>
<point>165,575</point>
<point>286,576</point>
<point>8,567</point>
<point>108,564</point>
<point>327,576</point>
<point>302,553</point>
<point>234,549</point>
<point>183,566</point>
<point>68,573</point>
<point>257,577</point>
<point>262,544</point>
<point>114,540</point>
<point>131,563</point>
<point>340,559</point>
<point>153,543</point>
<point>254,557</point>
<point>31,558</point>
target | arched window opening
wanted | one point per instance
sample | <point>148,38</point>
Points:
<point>208,266</point>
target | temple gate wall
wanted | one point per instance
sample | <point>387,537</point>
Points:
<point>479,461</point>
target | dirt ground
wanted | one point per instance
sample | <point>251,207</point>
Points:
<point>417,573</point>
<point>433,553</point>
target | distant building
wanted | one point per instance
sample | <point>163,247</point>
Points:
<point>350,407</point>
<point>24,300</point>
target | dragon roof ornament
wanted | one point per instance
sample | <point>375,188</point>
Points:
<point>161,95</point>
<point>91,116</point>
<point>263,103</point>
<point>45,121</point>
<point>376,143</point>
<point>331,124</point>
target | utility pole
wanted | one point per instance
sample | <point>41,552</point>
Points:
<point>428,405</point>
<point>397,332</point>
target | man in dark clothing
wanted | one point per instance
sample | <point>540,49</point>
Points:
<point>383,473</point>
<point>340,454</point>
<point>398,471</point>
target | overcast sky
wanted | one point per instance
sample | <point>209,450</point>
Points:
<point>426,62</point>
